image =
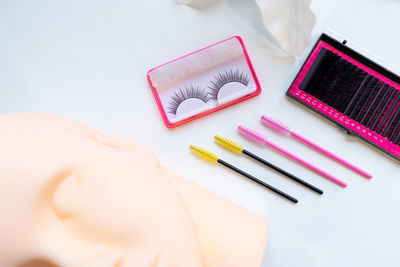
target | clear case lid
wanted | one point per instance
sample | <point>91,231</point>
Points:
<point>370,28</point>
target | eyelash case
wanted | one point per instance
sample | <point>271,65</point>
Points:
<point>353,91</point>
<point>203,82</point>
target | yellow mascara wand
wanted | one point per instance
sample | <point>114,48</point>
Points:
<point>207,155</point>
<point>229,144</point>
<point>238,149</point>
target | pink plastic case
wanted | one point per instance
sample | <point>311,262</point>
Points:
<point>203,82</point>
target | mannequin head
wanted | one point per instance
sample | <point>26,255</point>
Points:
<point>75,197</point>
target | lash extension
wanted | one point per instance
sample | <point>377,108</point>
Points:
<point>184,94</point>
<point>226,77</point>
<point>353,91</point>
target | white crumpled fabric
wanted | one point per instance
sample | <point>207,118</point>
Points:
<point>289,21</point>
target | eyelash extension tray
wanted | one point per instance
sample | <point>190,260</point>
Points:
<point>351,90</point>
<point>203,82</point>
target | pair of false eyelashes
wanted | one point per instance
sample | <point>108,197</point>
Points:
<point>355,93</point>
<point>205,95</point>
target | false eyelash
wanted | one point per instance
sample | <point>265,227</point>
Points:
<point>184,94</point>
<point>227,77</point>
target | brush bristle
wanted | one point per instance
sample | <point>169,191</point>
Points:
<point>275,125</point>
<point>205,154</point>
<point>255,136</point>
<point>229,144</point>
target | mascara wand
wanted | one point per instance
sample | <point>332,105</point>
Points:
<point>259,138</point>
<point>238,149</point>
<point>284,129</point>
<point>205,154</point>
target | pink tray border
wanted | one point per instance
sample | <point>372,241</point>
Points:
<point>333,113</point>
<point>170,124</point>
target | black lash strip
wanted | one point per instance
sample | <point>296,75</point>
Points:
<point>227,77</point>
<point>352,91</point>
<point>355,93</point>
<point>184,94</point>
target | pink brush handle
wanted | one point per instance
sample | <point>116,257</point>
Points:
<point>305,163</point>
<point>331,155</point>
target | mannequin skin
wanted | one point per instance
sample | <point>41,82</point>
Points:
<point>71,196</point>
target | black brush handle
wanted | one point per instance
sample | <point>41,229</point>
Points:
<point>276,168</point>
<point>270,187</point>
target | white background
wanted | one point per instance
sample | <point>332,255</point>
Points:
<point>87,60</point>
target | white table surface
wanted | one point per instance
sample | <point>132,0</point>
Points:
<point>87,60</point>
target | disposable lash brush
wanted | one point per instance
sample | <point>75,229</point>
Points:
<point>259,138</point>
<point>284,129</point>
<point>238,149</point>
<point>207,155</point>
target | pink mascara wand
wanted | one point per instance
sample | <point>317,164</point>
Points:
<point>284,129</point>
<point>259,138</point>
